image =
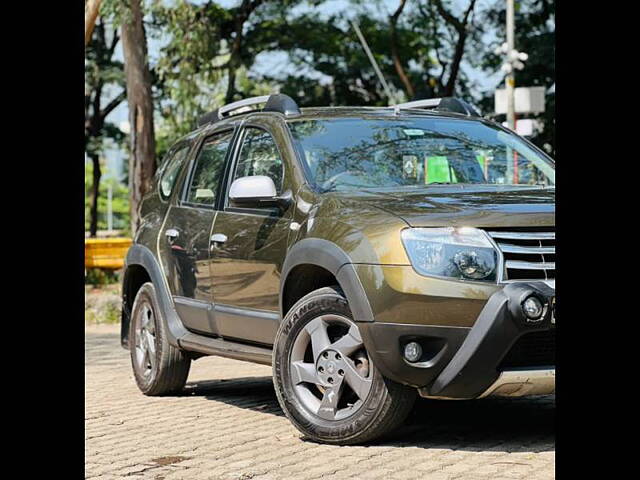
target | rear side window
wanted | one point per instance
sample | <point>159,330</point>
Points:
<point>208,169</point>
<point>170,170</point>
<point>260,156</point>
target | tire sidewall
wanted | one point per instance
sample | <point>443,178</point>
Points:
<point>299,316</point>
<point>146,294</point>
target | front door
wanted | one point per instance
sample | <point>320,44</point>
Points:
<point>184,239</point>
<point>247,262</point>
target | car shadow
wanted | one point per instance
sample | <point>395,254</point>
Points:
<point>492,424</point>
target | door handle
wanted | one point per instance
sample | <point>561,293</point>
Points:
<point>218,238</point>
<point>172,233</point>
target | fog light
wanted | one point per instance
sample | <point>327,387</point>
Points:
<point>533,308</point>
<point>412,352</point>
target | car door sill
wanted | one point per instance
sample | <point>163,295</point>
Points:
<point>225,348</point>
<point>249,324</point>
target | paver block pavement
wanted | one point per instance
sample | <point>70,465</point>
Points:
<point>227,425</point>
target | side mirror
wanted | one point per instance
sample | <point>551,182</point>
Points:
<point>255,191</point>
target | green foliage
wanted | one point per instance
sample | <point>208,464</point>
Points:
<point>103,83</point>
<point>203,60</point>
<point>119,204</point>
<point>329,66</point>
<point>100,276</point>
<point>189,70</point>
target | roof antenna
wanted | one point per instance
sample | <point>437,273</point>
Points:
<point>384,83</point>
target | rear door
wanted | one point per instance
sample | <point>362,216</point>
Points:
<point>246,265</point>
<point>184,238</point>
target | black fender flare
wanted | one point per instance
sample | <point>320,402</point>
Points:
<point>141,255</point>
<point>328,255</point>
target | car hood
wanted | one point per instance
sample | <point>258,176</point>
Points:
<point>463,205</point>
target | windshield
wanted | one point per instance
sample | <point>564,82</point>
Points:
<point>352,153</point>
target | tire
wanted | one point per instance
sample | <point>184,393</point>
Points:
<point>158,367</point>
<point>372,408</point>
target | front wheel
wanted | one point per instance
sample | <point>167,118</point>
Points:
<point>158,367</point>
<point>324,379</point>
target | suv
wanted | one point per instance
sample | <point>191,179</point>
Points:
<point>365,253</point>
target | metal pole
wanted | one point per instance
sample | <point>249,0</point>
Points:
<point>510,80</point>
<point>373,62</point>
<point>109,207</point>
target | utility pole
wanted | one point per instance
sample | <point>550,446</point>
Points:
<point>510,80</point>
<point>513,61</point>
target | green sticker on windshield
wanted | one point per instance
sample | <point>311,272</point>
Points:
<point>438,170</point>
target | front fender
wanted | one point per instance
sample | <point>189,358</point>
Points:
<point>325,254</point>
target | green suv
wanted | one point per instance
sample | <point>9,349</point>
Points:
<point>367,254</point>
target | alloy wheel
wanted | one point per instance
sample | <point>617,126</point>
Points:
<point>329,367</point>
<point>145,341</point>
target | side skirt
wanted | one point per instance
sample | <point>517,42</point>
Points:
<point>225,348</point>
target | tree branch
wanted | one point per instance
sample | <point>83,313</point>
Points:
<point>449,18</point>
<point>461,28</point>
<point>113,104</point>
<point>114,42</point>
<point>393,20</point>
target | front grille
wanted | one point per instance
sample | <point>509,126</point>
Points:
<point>534,349</point>
<point>529,253</point>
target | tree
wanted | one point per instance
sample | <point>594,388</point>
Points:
<point>397,62</point>
<point>400,45</point>
<point>102,72</point>
<point>119,201</point>
<point>450,35</point>
<point>205,60</point>
<point>92,7</point>
<point>138,77</point>
<point>240,15</point>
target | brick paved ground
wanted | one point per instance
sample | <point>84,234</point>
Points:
<point>228,425</point>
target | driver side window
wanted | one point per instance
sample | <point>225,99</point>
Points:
<point>260,156</point>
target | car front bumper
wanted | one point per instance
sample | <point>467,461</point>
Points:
<point>465,362</point>
<point>518,383</point>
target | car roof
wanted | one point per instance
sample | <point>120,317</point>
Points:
<point>338,112</point>
<point>333,112</point>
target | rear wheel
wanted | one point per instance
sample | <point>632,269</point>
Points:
<point>159,368</point>
<point>325,381</point>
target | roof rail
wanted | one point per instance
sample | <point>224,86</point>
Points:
<point>445,104</point>
<point>276,102</point>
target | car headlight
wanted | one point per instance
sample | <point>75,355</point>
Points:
<point>461,253</point>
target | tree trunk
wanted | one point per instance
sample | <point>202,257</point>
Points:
<point>95,194</point>
<point>90,14</point>
<point>450,87</point>
<point>138,78</point>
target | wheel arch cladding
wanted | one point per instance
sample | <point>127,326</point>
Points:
<point>134,277</point>
<point>332,259</point>
<point>140,258</point>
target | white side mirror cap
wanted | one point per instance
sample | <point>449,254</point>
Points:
<point>252,189</point>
